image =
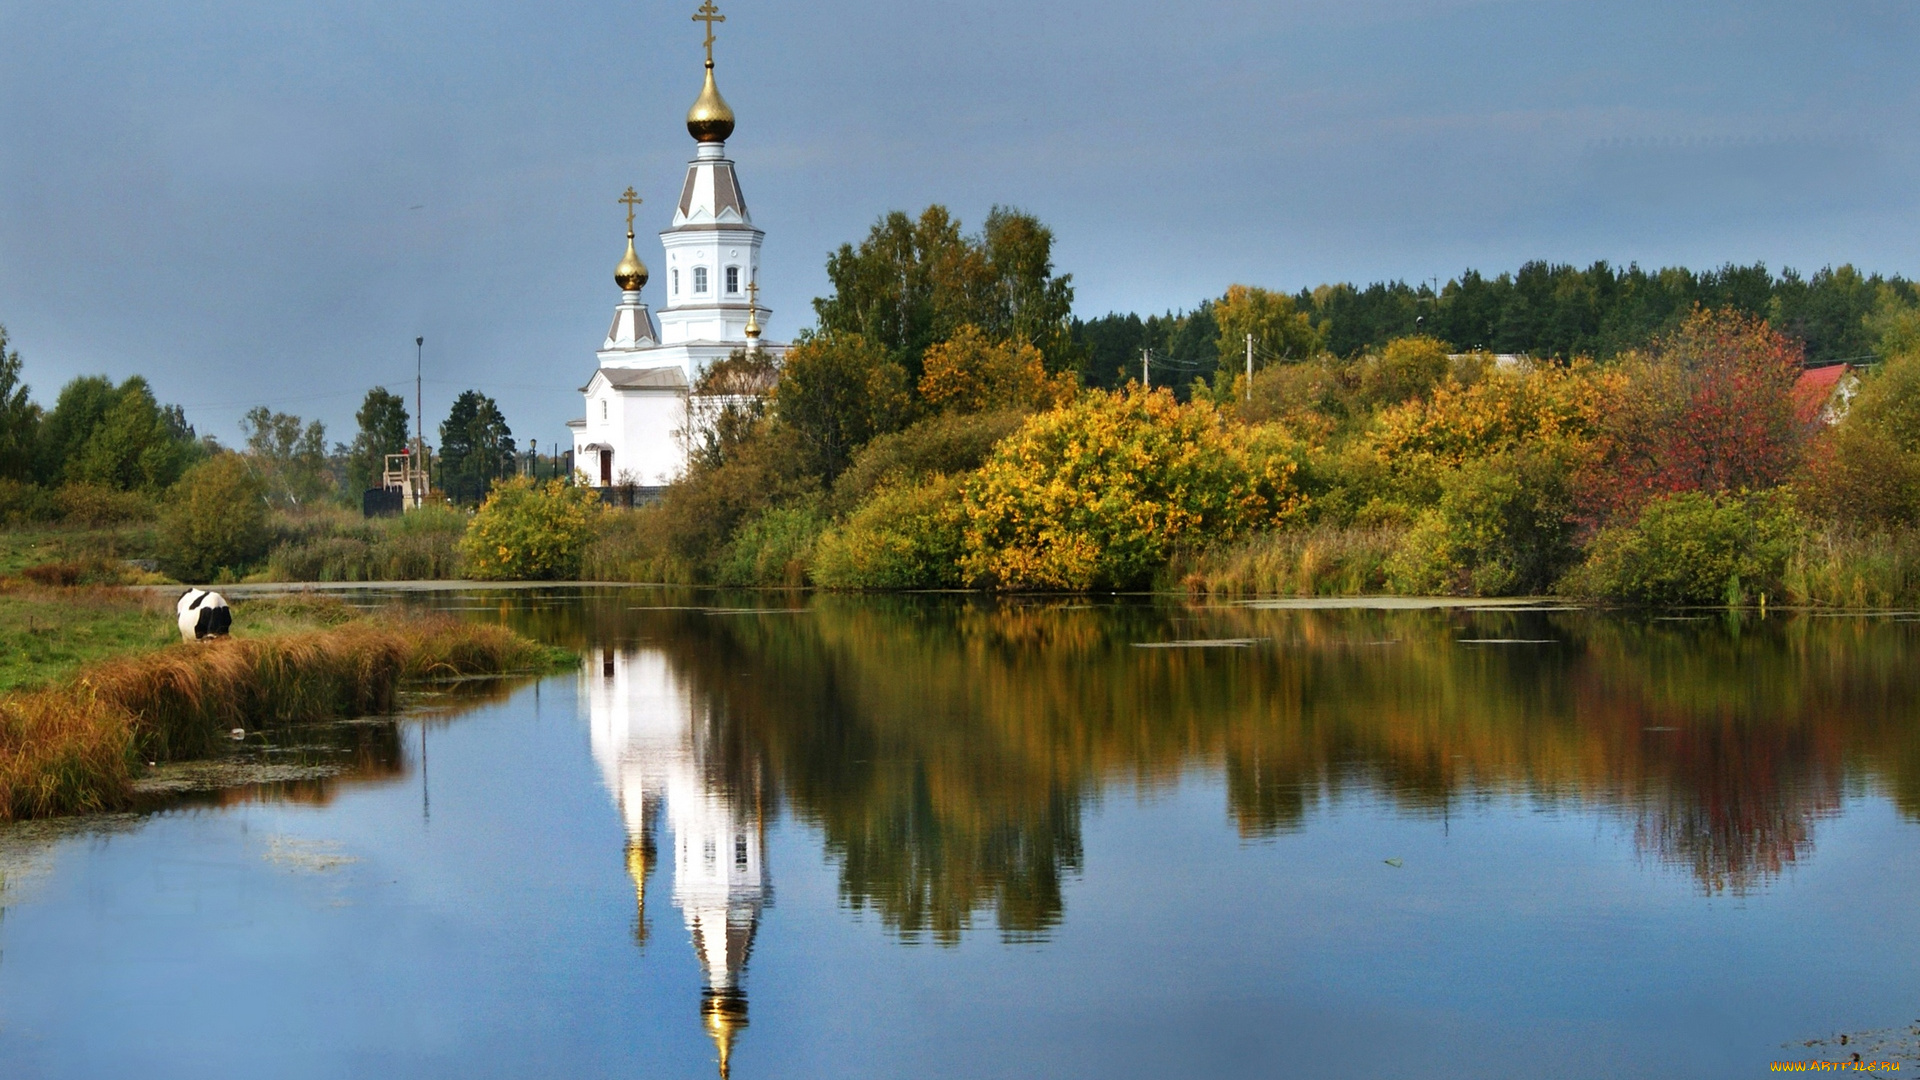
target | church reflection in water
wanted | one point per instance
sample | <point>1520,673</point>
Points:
<point>656,745</point>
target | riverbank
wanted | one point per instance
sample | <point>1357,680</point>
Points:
<point>108,698</point>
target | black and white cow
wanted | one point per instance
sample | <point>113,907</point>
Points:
<point>203,615</point>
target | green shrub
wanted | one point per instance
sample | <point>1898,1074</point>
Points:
<point>633,545</point>
<point>1100,493</point>
<point>907,537</point>
<point>1502,526</point>
<point>775,548</point>
<point>1693,548</point>
<point>950,443</point>
<point>214,521</point>
<point>531,532</point>
<point>1867,468</point>
<point>94,506</point>
<point>22,503</point>
<point>1841,567</point>
<point>328,545</point>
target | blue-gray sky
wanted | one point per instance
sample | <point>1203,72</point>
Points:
<point>264,203</point>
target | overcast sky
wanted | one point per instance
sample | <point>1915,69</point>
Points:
<point>264,203</point>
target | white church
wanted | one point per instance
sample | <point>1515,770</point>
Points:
<point>641,414</point>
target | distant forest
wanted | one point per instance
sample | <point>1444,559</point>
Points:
<point>1543,310</point>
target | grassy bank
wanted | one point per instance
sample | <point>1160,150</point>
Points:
<point>74,747</point>
<point>47,633</point>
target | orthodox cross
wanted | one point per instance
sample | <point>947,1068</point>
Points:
<point>632,199</point>
<point>753,294</point>
<point>709,14</point>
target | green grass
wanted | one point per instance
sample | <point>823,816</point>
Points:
<point>25,547</point>
<point>117,693</point>
<point>47,634</point>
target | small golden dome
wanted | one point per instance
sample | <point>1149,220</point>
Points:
<point>631,274</point>
<point>710,119</point>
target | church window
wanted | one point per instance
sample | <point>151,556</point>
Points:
<point>699,279</point>
<point>676,283</point>
<point>740,852</point>
<point>708,852</point>
<point>603,408</point>
<point>733,279</point>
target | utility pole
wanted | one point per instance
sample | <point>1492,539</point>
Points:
<point>1249,367</point>
<point>1146,377</point>
<point>418,493</point>
<point>419,415</point>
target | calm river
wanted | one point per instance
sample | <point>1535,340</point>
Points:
<point>784,836</point>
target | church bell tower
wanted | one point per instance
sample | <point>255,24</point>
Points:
<point>712,248</point>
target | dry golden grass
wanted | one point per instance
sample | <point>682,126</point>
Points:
<point>1323,561</point>
<point>73,749</point>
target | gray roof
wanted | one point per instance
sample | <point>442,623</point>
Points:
<point>653,378</point>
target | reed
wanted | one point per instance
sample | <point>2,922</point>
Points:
<point>1839,567</point>
<point>1322,561</point>
<point>74,749</point>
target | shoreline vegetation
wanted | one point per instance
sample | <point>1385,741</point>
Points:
<point>1734,437</point>
<point>76,731</point>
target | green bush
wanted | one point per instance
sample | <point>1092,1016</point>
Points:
<point>531,532</point>
<point>775,548</point>
<point>94,506</point>
<point>906,537</point>
<point>1840,567</point>
<point>634,545</point>
<point>214,521</point>
<point>1693,548</point>
<point>1502,526</point>
<point>322,545</point>
<point>950,443</point>
<point>22,503</point>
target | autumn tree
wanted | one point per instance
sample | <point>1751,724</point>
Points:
<point>728,404</point>
<point>971,372</point>
<point>1280,332</point>
<point>1708,408</point>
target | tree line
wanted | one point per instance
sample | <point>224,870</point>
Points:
<point>121,438</point>
<point>1543,310</point>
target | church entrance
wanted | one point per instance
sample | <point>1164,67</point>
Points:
<point>606,467</point>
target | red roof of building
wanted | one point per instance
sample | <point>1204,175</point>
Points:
<point>1814,388</point>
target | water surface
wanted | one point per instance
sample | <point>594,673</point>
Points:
<point>795,837</point>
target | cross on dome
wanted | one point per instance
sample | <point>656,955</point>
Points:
<point>709,14</point>
<point>632,199</point>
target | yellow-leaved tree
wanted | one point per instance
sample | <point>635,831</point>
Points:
<point>970,372</point>
<point>1098,494</point>
<point>1281,332</point>
<point>531,532</point>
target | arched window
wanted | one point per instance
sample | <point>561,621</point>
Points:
<point>603,408</point>
<point>699,279</point>
<point>676,283</point>
<point>733,280</point>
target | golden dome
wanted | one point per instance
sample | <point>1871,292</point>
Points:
<point>710,119</point>
<point>631,274</point>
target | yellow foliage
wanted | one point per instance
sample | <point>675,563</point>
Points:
<point>1421,439</point>
<point>1098,493</point>
<point>970,372</point>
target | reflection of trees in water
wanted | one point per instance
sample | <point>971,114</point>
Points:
<point>945,747</point>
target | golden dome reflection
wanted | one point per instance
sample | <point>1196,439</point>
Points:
<point>631,274</point>
<point>710,119</point>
